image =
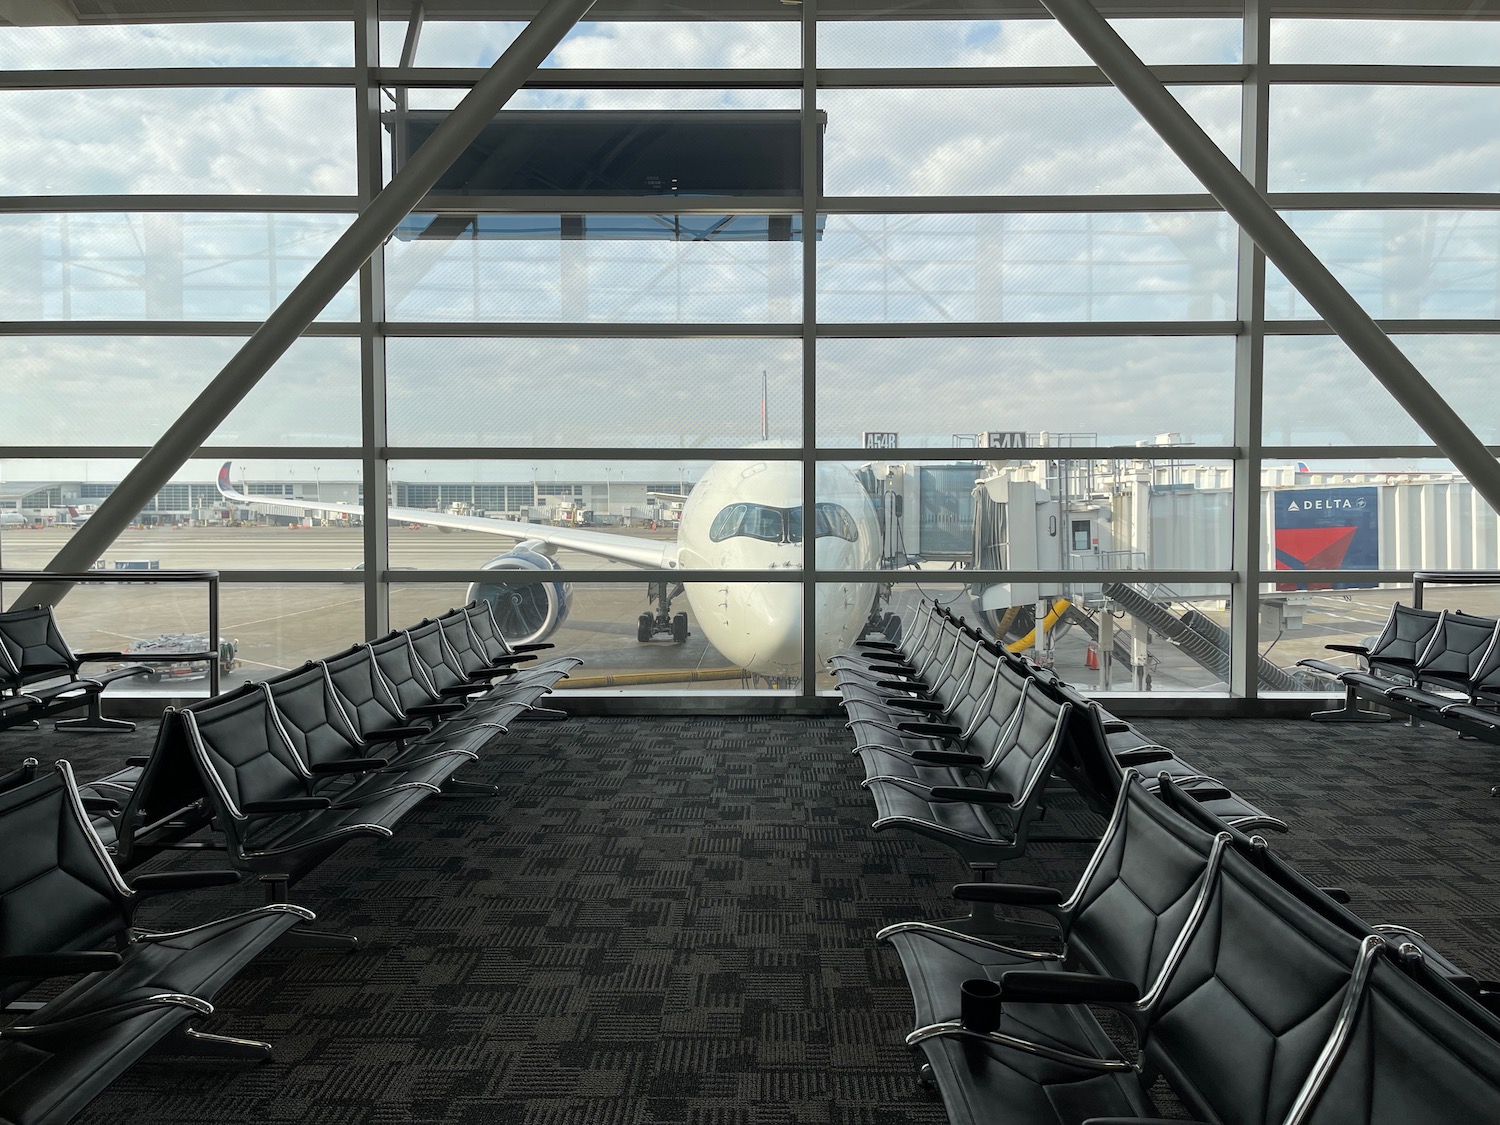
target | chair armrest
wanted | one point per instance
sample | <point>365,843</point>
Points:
<point>533,646</point>
<point>101,805</point>
<point>169,882</point>
<point>395,734</point>
<point>287,805</point>
<point>1029,987</point>
<point>1114,726</point>
<point>463,689</point>
<point>899,685</point>
<point>348,765</point>
<point>139,760</point>
<point>1142,754</point>
<point>889,645</point>
<point>444,708</point>
<point>945,758</point>
<point>970,795</point>
<point>912,703</point>
<point>517,657</point>
<point>1356,650</point>
<point>1208,793</point>
<point>1338,894</point>
<point>930,730</point>
<point>894,667</point>
<point>37,966</point>
<point>1008,894</point>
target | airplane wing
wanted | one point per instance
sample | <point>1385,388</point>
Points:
<point>618,548</point>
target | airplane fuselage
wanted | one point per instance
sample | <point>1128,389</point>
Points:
<point>747,515</point>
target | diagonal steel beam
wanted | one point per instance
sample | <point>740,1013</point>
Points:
<point>1257,218</point>
<point>364,237</point>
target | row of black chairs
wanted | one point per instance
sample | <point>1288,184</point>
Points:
<point>288,769</point>
<point>963,742</point>
<point>1253,994</point>
<point>276,775</point>
<point>1442,666</point>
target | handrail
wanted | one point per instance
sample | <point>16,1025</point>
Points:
<point>1422,578</point>
<point>211,577</point>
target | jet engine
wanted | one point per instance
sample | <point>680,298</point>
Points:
<point>525,611</point>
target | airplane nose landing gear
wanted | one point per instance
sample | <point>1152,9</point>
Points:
<point>663,621</point>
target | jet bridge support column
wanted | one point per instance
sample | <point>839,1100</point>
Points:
<point>271,340</point>
<point>1257,218</point>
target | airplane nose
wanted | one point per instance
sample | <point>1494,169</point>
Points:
<point>778,606</point>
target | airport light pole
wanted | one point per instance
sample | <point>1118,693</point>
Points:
<point>1245,204</point>
<point>364,237</point>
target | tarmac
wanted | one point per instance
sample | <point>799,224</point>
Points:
<point>280,625</point>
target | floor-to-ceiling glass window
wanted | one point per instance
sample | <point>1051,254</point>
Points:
<point>729,339</point>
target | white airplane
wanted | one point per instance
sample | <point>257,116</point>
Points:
<point>741,515</point>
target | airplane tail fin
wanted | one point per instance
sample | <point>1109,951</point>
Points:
<point>227,489</point>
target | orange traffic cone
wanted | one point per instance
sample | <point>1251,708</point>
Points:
<point>1091,657</point>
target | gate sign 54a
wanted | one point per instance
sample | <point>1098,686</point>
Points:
<point>1327,529</point>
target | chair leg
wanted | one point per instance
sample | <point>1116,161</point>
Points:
<point>1350,712</point>
<point>301,937</point>
<point>190,1041</point>
<point>94,720</point>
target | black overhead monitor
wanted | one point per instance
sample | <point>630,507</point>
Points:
<point>525,154</point>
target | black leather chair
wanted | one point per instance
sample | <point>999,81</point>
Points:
<point>493,644</point>
<point>415,693</point>
<point>69,913</point>
<point>1237,1022</point>
<point>346,766</point>
<point>984,812</point>
<point>372,705</point>
<point>40,675</point>
<point>1135,896</point>
<point>265,799</point>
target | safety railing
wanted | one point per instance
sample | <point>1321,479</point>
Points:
<point>210,654</point>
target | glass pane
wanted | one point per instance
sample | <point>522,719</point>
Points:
<point>1452,42</point>
<point>1155,511</point>
<point>548,279</point>
<point>1382,138</point>
<point>1318,393</point>
<point>936,392</point>
<point>1400,263</point>
<point>1039,42</point>
<point>668,43</point>
<point>167,266</point>
<point>125,390</point>
<point>274,627</point>
<point>137,618</point>
<point>546,392</point>
<point>1159,639</point>
<point>114,46</point>
<point>1374,515</point>
<point>190,524</point>
<point>527,101</point>
<point>1026,267</point>
<point>604,516</point>
<point>602,626</point>
<point>234,141</point>
<point>1009,141</point>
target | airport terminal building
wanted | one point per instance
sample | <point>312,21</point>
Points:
<point>1154,340</point>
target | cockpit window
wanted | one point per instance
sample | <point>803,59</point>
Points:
<point>780,525</point>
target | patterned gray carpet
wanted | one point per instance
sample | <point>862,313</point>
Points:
<point>671,921</point>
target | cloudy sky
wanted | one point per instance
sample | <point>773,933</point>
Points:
<point>928,269</point>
